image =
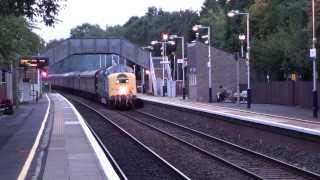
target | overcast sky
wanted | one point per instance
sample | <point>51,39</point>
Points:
<point>111,12</point>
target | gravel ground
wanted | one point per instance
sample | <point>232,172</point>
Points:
<point>264,142</point>
<point>136,163</point>
<point>191,162</point>
<point>267,169</point>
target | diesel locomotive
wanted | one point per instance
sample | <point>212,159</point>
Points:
<point>114,86</point>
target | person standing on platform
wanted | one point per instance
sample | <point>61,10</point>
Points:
<point>221,95</point>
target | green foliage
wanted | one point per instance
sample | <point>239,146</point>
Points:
<point>16,36</point>
<point>87,30</point>
<point>114,31</point>
<point>217,20</point>
<point>17,39</point>
<point>156,21</point>
<point>142,30</point>
<point>45,9</point>
<point>280,32</point>
<point>224,30</point>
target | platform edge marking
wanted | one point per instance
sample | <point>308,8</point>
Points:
<point>24,171</point>
<point>103,160</point>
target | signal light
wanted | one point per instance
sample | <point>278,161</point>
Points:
<point>44,74</point>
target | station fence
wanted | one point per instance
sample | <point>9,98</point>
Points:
<point>290,93</point>
<point>2,92</point>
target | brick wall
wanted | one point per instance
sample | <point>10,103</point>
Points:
<point>223,71</point>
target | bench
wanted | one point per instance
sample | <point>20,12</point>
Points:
<point>243,97</point>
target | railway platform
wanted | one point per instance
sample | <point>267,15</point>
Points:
<point>17,135</point>
<point>50,140</point>
<point>291,118</point>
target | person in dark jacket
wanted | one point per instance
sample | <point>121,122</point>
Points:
<point>221,95</point>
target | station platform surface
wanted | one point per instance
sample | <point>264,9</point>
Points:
<point>292,118</point>
<point>50,140</point>
<point>17,135</point>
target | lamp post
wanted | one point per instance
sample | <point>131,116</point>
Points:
<point>242,37</point>
<point>183,64</point>
<point>163,43</point>
<point>313,55</point>
<point>236,13</point>
<point>196,28</point>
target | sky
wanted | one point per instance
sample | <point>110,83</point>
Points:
<point>107,12</point>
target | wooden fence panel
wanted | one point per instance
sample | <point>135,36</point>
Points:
<point>2,92</point>
<point>259,93</point>
<point>303,93</point>
<point>288,93</point>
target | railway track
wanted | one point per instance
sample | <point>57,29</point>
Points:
<point>261,166</point>
<point>130,157</point>
<point>247,163</point>
<point>192,163</point>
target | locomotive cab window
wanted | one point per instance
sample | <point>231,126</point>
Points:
<point>122,79</point>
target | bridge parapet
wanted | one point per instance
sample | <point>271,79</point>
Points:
<point>123,48</point>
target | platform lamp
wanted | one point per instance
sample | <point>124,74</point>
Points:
<point>183,64</point>
<point>237,13</point>
<point>196,28</point>
<point>242,37</point>
<point>313,55</point>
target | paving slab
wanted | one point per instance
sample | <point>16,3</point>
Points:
<point>17,136</point>
<point>71,155</point>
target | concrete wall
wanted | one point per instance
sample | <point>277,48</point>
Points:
<point>223,71</point>
<point>123,48</point>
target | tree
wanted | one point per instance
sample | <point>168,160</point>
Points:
<point>156,21</point>
<point>224,30</point>
<point>45,9</point>
<point>87,30</point>
<point>17,39</point>
<point>280,40</point>
<point>114,31</point>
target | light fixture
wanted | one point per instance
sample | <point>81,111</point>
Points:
<point>233,13</point>
<point>242,37</point>
<point>154,42</point>
<point>172,42</point>
<point>173,36</point>
<point>196,27</point>
<point>204,36</point>
<point>165,36</point>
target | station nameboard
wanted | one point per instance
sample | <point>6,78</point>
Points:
<point>34,62</point>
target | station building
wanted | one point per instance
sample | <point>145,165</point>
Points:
<point>223,73</point>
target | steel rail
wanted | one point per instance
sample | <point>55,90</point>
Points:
<point>136,140</point>
<point>228,163</point>
<point>279,162</point>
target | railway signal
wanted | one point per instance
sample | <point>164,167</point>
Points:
<point>44,74</point>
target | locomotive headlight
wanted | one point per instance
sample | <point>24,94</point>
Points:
<point>123,90</point>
